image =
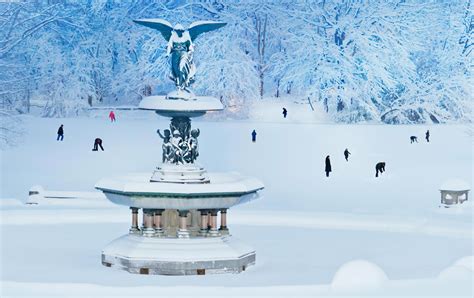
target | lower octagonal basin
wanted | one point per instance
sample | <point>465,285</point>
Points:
<point>165,256</point>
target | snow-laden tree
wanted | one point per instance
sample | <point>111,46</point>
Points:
<point>350,56</point>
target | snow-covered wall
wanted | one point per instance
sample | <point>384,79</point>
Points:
<point>392,61</point>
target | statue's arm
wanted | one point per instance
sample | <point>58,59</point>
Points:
<point>159,133</point>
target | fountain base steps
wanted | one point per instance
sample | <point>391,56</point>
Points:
<point>172,256</point>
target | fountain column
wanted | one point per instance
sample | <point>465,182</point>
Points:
<point>134,228</point>
<point>213,232</point>
<point>157,222</point>
<point>203,230</point>
<point>183,231</point>
<point>223,228</point>
<point>148,231</point>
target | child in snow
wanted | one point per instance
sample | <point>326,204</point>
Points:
<point>254,136</point>
<point>285,112</point>
<point>60,133</point>
<point>112,116</point>
<point>427,136</point>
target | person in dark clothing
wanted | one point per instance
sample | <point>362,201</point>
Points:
<point>98,143</point>
<point>285,112</point>
<point>346,154</point>
<point>427,136</point>
<point>327,168</point>
<point>379,167</point>
<point>60,133</point>
<point>413,139</point>
<point>254,136</point>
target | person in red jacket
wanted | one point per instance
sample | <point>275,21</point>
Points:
<point>112,116</point>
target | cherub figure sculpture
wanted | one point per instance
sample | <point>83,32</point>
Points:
<point>167,147</point>
<point>180,46</point>
<point>177,147</point>
<point>193,144</point>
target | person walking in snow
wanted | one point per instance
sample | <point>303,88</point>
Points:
<point>379,168</point>
<point>112,116</point>
<point>327,167</point>
<point>285,112</point>
<point>60,133</point>
<point>254,136</point>
<point>98,143</point>
<point>346,154</point>
<point>427,136</point>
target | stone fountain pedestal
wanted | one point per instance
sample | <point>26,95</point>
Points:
<point>180,204</point>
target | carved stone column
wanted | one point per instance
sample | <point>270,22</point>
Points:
<point>134,228</point>
<point>183,229</point>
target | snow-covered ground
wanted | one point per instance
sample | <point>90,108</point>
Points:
<point>305,228</point>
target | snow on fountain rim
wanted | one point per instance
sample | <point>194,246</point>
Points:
<point>222,184</point>
<point>198,104</point>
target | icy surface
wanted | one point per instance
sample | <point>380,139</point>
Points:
<point>304,229</point>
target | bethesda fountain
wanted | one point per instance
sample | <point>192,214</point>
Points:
<point>180,201</point>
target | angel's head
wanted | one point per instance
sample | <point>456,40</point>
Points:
<point>179,29</point>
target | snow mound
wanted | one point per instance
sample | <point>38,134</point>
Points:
<point>455,184</point>
<point>456,273</point>
<point>358,275</point>
<point>462,269</point>
<point>466,262</point>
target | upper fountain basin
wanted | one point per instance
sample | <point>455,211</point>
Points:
<point>173,105</point>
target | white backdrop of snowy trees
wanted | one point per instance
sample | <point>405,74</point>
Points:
<point>392,61</point>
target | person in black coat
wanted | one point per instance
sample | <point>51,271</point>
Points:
<point>60,133</point>
<point>427,136</point>
<point>254,136</point>
<point>346,154</point>
<point>328,168</point>
<point>98,143</point>
<point>379,168</point>
<point>285,112</point>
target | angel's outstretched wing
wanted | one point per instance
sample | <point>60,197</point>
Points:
<point>196,28</point>
<point>163,26</point>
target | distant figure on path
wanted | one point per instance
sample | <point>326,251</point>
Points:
<point>379,167</point>
<point>98,143</point>
<point>413,139</point>
<point>285,112</point>
<point>254,136</point>
<point>346,154</point>
<point>427,136</point>
<point>328,168</point>
<point>60,133</point>
<point>112,116</point>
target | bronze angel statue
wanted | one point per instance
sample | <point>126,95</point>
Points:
<point>180,46</point>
